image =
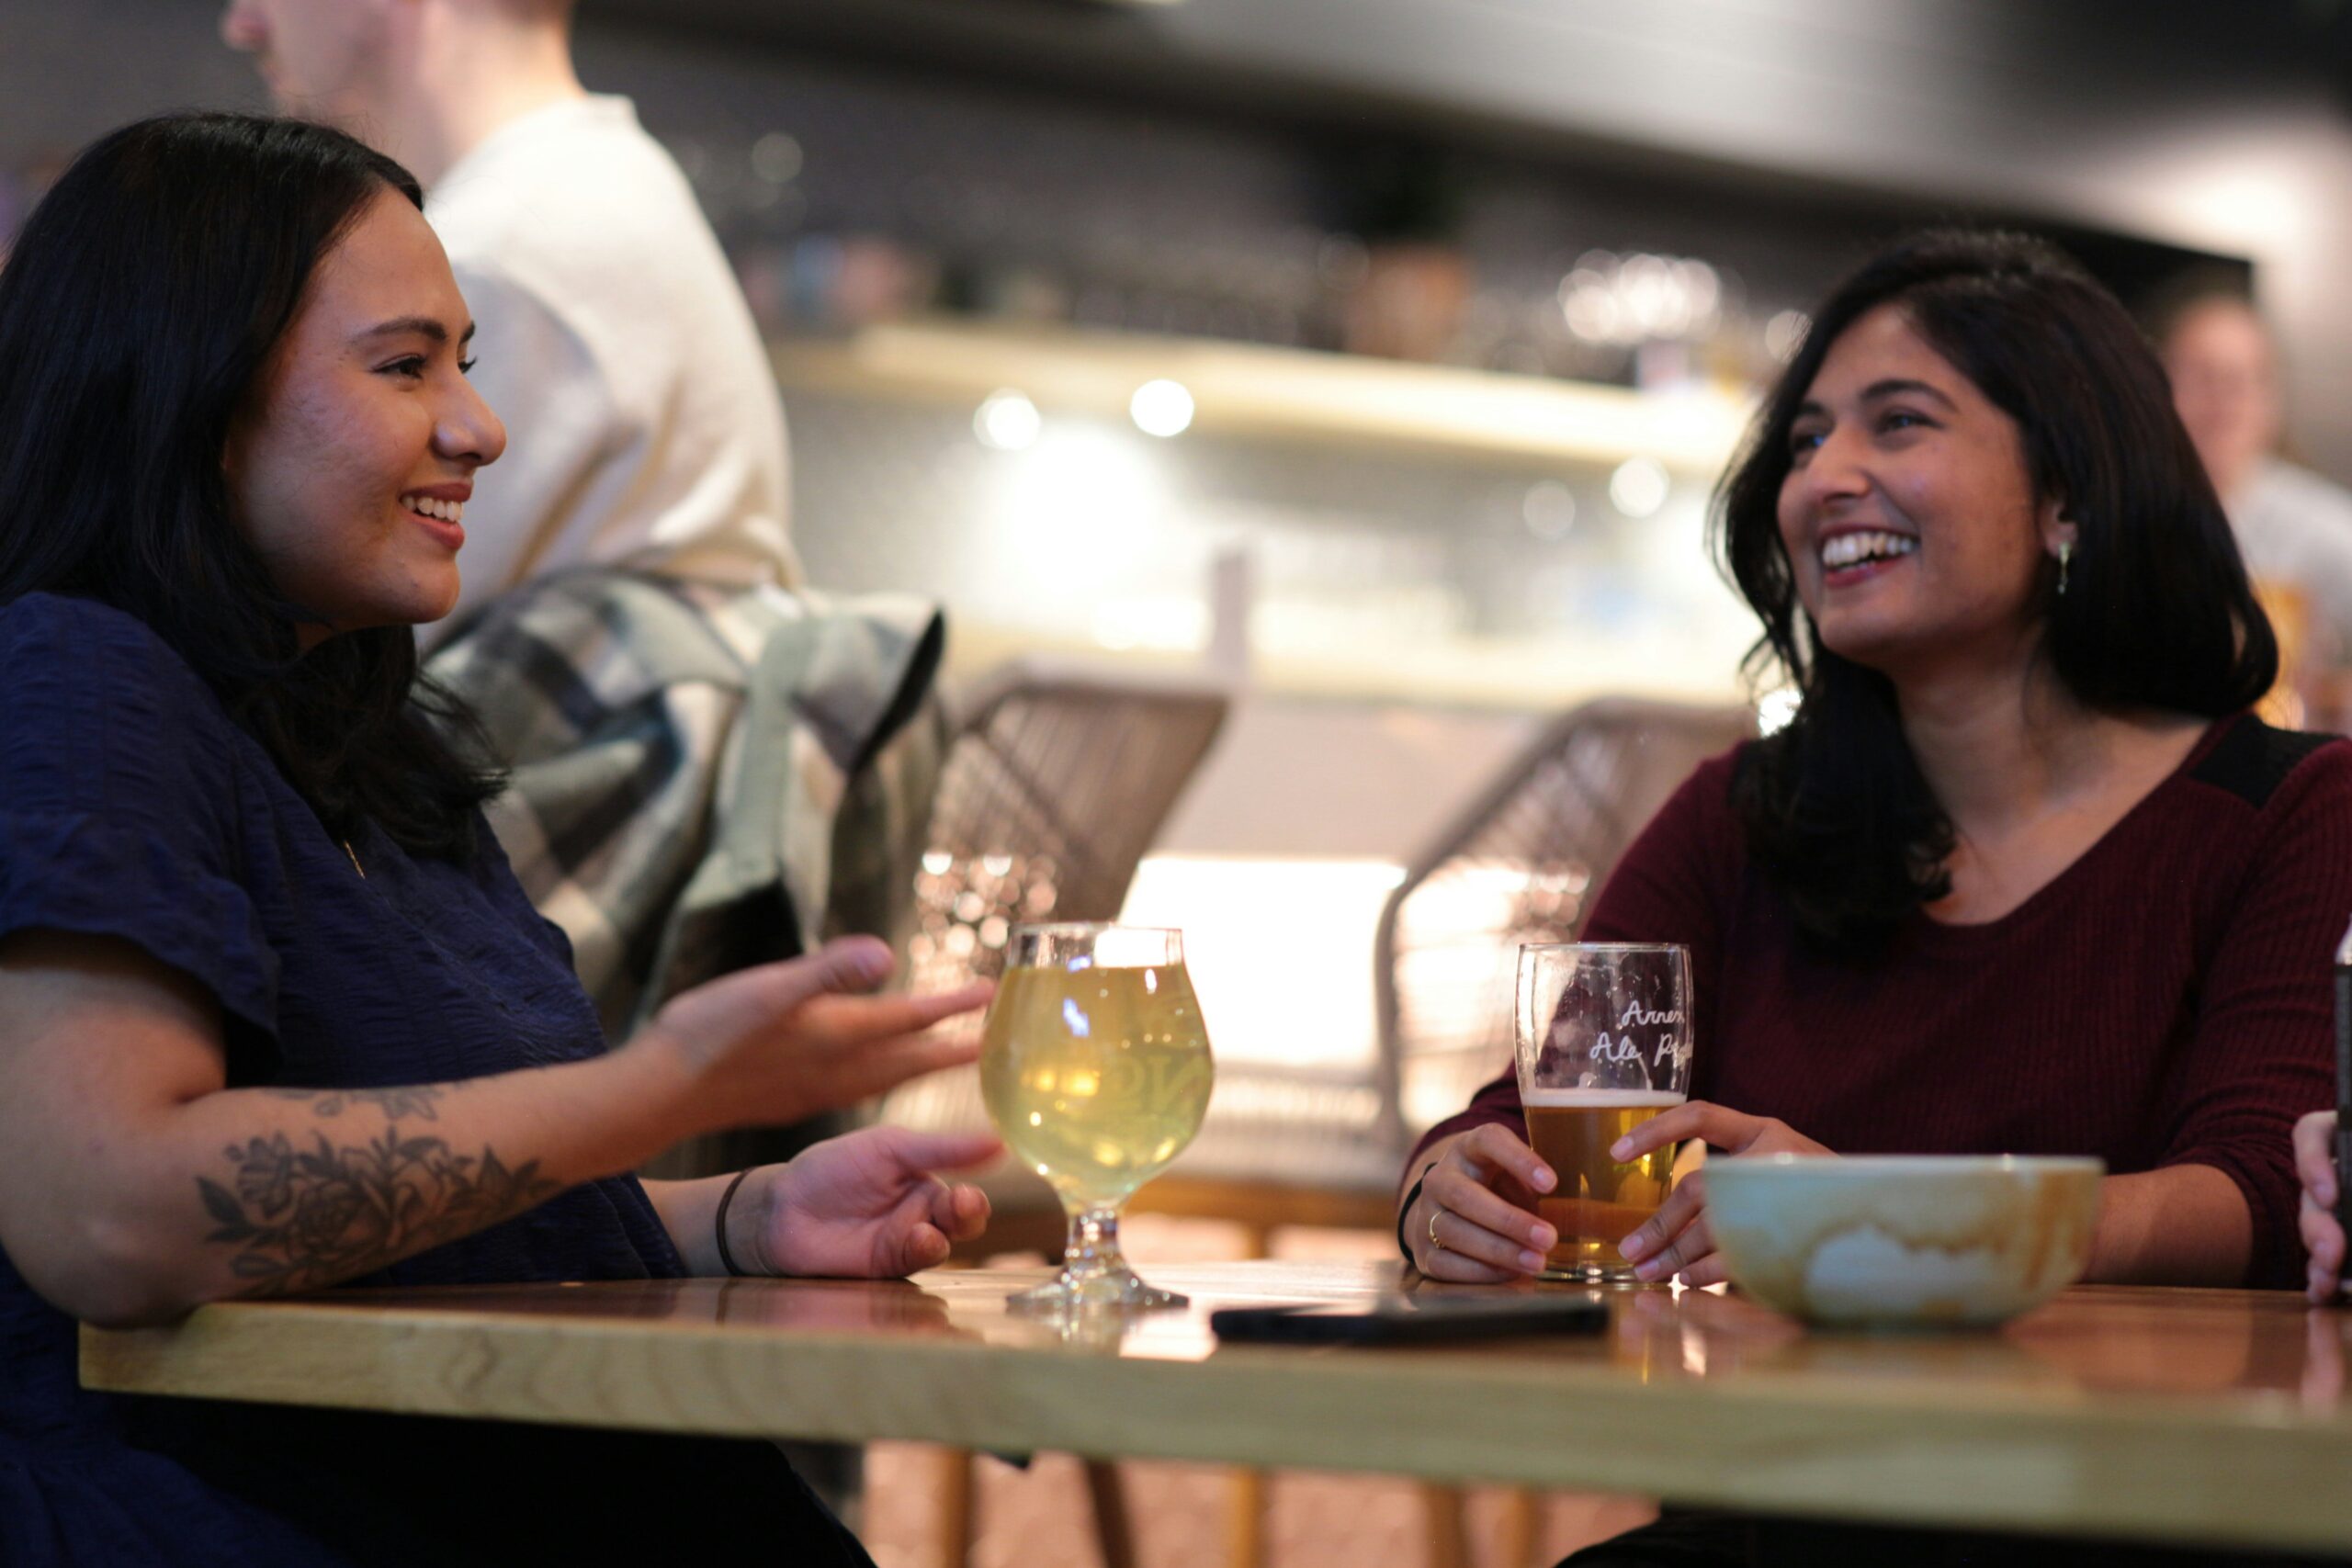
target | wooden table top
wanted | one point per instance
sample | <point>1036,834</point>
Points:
<point>2201,1415</point>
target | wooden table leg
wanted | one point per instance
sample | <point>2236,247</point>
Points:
<point>1245,1524</point>
<point>1449,1543</point>
<point>1521,1512</point>
<point>1245,1520</point>
<point>1114,1533</point>
<point>953,1527</point>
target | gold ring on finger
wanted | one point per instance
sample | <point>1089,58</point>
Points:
<point>1434,1212</point>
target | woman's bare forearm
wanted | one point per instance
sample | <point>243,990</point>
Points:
<point>270,1192</point>
<point>2186,1224</point>
<point>135,1185</point>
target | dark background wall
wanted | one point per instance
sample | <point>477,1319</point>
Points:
<point>2215,128</point>
<point>1775,138</point>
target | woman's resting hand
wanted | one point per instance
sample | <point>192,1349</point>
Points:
<point>1676,1239</point>
<point>1471,1221</point>
<point>781,1042</point>
<point>867,1204</point>
<point>2322,1236</point>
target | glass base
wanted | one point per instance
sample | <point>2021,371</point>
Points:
<point>1116,1290</point>
<point>1094,1277</point>
<point>1595,1274</point>
<point>1582,1258</point>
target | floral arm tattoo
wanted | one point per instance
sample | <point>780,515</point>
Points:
<point>304,1217</point>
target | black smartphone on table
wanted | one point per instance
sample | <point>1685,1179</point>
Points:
<point>1412,1320</point>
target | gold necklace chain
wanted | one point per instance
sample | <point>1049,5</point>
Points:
<point>355,860</point>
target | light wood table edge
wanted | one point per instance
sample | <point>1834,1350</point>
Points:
<point>2128,1466</point>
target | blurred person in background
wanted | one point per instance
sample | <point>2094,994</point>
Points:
<point>273,1015</point>
<point>615,343</point>
<point>2293,527</point>
<point>2024,875</point>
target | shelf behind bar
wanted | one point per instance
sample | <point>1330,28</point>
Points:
<point>1253,389</point>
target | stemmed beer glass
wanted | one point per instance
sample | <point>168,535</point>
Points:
<point>1096,1070</point>
<point>1604,1045</point>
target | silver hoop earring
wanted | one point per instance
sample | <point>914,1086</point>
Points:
<point>2065,553</point>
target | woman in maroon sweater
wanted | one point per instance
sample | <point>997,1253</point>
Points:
<point>2023,876</point>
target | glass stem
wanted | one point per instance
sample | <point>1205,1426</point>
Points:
<point>1093,1250</point>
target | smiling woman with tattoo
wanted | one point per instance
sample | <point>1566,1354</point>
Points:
<point>273,1015</point>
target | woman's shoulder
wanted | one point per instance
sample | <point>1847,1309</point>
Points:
<point>1708,798</point>
<point>1715,775</point>
<point>1701,813</point>
<point>88,686</point>
<point>2258,766</point>
<point>83,644</point>
<point>2265,803</point>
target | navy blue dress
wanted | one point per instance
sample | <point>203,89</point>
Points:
<point>132,806</point>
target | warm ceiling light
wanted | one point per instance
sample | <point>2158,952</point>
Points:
<point>1161,408</point>
<point>1007,422</point>
<point>1638,486</point>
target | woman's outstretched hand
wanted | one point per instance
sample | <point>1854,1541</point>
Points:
<point>1471,1221</point>
<point>781,1042</point>
<point>1676,1239</point>
<point>868,1204</point>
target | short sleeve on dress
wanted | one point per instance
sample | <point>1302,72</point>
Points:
<point>120,800</point>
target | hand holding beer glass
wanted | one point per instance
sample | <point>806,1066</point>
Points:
<point>1604,1045</point>
<point>1095,1068</point>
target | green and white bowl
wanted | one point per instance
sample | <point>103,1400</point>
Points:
<point>1904,1240</point>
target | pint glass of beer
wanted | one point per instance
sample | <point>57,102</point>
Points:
<point>1603,1036</point>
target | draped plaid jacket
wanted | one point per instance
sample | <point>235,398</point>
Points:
<point>704,777</point>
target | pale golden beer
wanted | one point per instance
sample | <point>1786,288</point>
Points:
<point>1602,1042</point>
<point>1599,1201</point>
<point>1096,1076</point>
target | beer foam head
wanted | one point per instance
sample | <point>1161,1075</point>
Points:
<point>1598,1098</point>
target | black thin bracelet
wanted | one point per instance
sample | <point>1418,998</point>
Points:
<point>724,1198</point>
<point>1412,1195</point>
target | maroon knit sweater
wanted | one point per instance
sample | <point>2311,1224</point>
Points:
<point>2163,1001</point>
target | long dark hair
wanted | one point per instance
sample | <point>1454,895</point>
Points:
<point>2157,615</point>
<point>143,300</point>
